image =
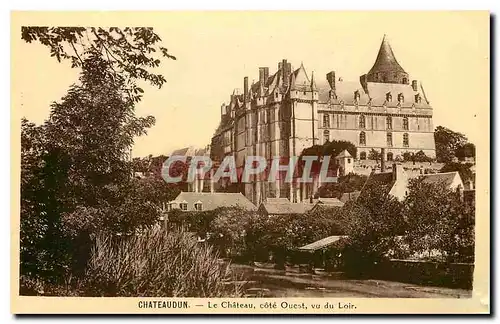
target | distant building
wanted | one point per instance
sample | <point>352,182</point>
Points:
<point>283,113</point>
<point>283,206</point>
<point>396,181</point>
<point>203,201</point>
<point>345,163</point>
<point>200,184</point>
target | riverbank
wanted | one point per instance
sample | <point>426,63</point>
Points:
<point>278,283</point>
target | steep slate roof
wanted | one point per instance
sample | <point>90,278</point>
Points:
<point>386,61</point>
<point>446,178</point>
<point>215,200</point>
<point>377,92</point>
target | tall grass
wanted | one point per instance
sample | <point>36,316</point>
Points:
<point>157,264</point>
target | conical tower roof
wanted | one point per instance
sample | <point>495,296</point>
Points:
<point>386,61</point>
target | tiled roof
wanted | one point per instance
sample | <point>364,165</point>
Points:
<point>344,154</point>
<point>376,95</point>
<point>446,178</point>
<point>322,243</point>
<point>280,208</point>
<point>215,200</point>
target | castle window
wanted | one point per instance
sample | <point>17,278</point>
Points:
<point>390,156</point>
<point>405,123</point>
<point>388,96</point>
<point>362,138</point>
<point>362,156</point>
<point>389,139</point>
<point>406,140</point>
<point>326,136</point>
<point>401,98</point>
<point>405,81</point>
<point>326,120</point>
<point>389,122</point>
<point>362,121</point>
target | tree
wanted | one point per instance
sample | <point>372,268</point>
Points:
<point>374,155</point>
<point>129,54</point>
<point>447,142</point>
<point>76,178</point>
<point>421,157</point>
<point>438,220</point>
<point>228,230</point>
<point>467,150</point>
<point>462,168</point>
<point>347,183</point>
<point>372,223</point>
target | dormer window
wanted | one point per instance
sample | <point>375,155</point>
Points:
<point>198,206</point>
<point>357,95</point>
<point>388,97</point>
<point>401,98</point>
<point>418,98</point>
<point>183,205</point>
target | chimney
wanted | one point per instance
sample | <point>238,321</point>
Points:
<point>382,160</point>
<point>414,85</point>
<point>263,75</point>
<point>245,89</point>
<point>398,173</point>
<point>223,109</point>
<point>330,77</point>
<point>286,70</point>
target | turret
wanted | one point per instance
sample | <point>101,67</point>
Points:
<point>386,68</point>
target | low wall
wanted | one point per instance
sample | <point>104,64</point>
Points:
<point>453,275</point>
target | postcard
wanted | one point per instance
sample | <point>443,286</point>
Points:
<point>255,162</point>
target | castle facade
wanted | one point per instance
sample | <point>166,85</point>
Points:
<point>285,112</point>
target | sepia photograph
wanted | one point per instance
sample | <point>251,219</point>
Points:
<point>250,161</point>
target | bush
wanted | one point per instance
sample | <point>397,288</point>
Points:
<point>157,264</point>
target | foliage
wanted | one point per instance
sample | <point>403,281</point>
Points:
<point>438,220</point>
<point>467,150</point>
<point>372,224</point>
<point>128,54</point>
<point>157,264</point>
<point>348,183</point>
<point>374,155</point>
<point>447,143</point>
<point>420,156</point>
<point>280,234</point>
<point>228,231</point>
<point>464,169</point>
<point>76,180</point>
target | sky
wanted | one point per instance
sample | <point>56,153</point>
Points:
<point>447,51</point>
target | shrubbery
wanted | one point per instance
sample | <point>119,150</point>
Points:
<point>157,263</point>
